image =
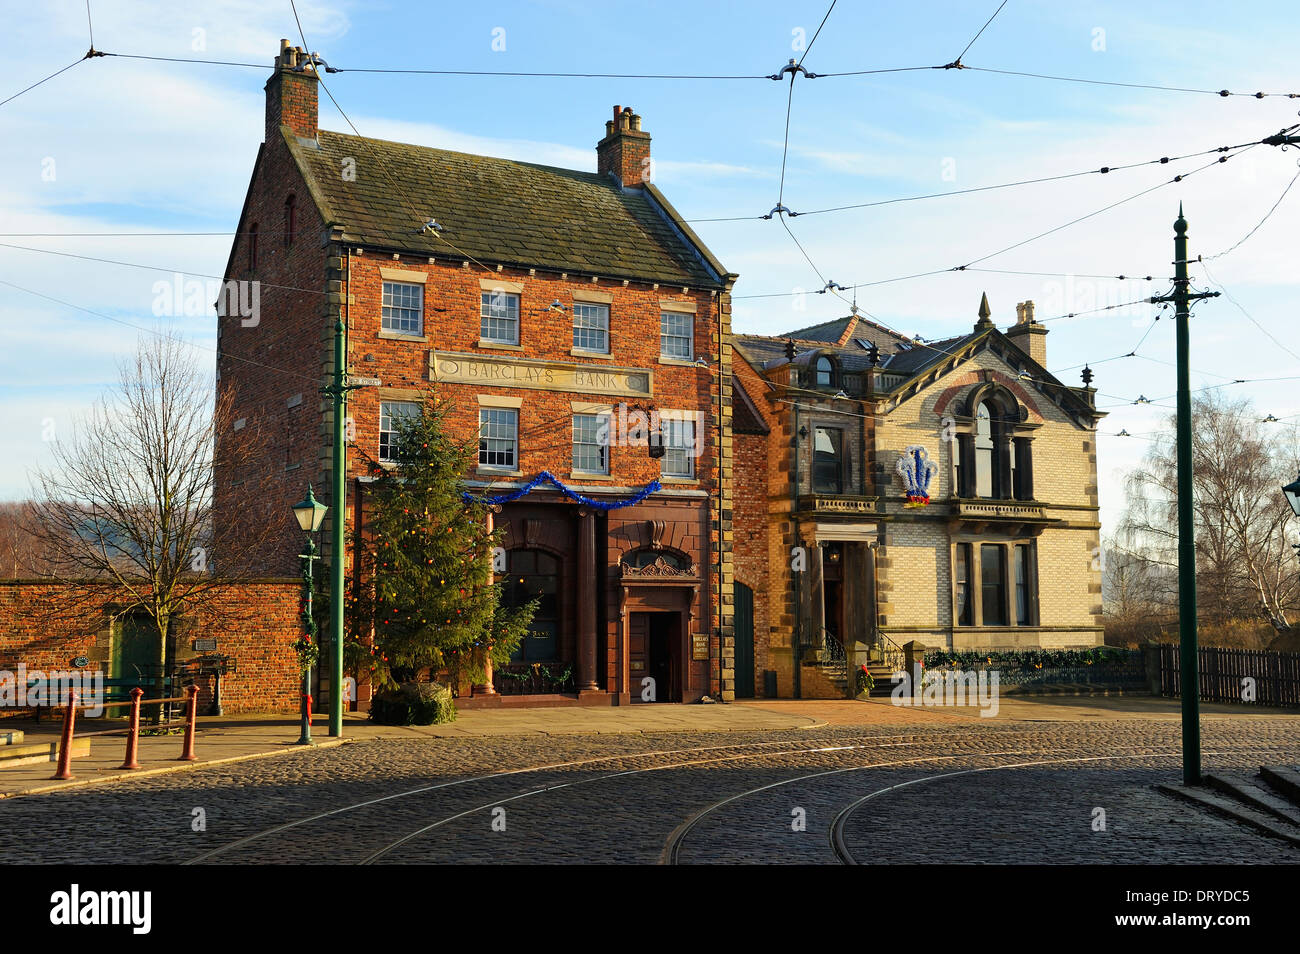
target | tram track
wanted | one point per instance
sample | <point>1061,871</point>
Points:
<point>820,745</point>
<point>976,745</point>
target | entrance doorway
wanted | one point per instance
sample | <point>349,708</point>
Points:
<point>654,657</point>
<point>137,650</point>
<point>744,630</point>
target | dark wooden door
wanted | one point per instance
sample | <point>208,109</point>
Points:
<point>744,630</point>
<point>638,652</point>
<point>137,649</point>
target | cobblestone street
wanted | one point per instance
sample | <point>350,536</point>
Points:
<point>1011,792</point>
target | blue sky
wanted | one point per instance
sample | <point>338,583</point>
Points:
<point>117,144</point>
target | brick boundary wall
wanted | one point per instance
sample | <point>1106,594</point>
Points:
<point>256,622</point>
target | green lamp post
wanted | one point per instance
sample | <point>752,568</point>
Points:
<point>310,514</point>
<point>1292,492</point>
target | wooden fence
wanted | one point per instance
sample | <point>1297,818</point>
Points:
<point>1249,676</point>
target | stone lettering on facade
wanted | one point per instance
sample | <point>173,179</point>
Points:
<point>455,368</point>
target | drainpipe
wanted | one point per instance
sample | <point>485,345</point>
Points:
<point>718,477</point>
<point>796,641</point>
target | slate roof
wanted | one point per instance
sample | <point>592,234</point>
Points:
<point>831,332</point>
<point>499,210</point>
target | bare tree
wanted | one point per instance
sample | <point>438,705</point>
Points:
<point>21,551</point>
<point>1246,567</point>
<point>125,511</point>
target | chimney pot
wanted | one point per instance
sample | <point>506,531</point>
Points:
<point>291,97</point>
<point>1029,311</point>
<point>625,150</point>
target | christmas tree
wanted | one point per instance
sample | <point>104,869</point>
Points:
<point>426,594</point>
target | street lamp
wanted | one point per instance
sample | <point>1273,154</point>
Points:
<point>310,514</point>
<point>1292,492</point>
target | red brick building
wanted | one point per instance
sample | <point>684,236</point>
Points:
<point>550,307</point>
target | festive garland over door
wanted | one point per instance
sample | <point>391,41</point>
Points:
<point>545,477</point>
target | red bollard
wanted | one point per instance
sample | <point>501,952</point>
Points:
<point>65,744</point>
<point>187,754</point>
<point>133,734</point>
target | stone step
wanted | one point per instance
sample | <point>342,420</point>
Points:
<point>1255,795</point>
<point>1283,780</point>
<point>11,737</point>
<point>35,753</point>
<point>1225,806</point>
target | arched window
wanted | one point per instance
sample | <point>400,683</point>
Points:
<point>992,460</point>
<point>534,575</point>
<point>290,218</point>
<point>252,247</point>
<point>984,451</point>
<point>825,372</point>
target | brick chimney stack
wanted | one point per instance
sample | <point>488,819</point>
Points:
<point>1029,335</point>
<point>625,150</point>
<point>291,95</point>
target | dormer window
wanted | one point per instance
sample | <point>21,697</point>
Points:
<point>824,372</point>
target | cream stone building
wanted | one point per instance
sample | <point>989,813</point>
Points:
<point>893,495</point>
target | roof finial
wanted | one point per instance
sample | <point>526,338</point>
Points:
<point>985,311</point>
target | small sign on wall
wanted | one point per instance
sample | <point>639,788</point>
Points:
<point>699,646</point>
<point>205,645</point>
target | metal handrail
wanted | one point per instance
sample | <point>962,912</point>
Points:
<point>893,654</point>
<point>832,655</point>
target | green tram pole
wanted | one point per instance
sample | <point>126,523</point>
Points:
<point>338,391</point>
<point>1189,671</point>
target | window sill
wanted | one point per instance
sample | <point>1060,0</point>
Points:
<point>497,472</point>
<point>601,355</point>
<point>499,345</point>
<point>678,362</point>
<point>580,475</point>
<point>401,336</point>
<point>679,480</point>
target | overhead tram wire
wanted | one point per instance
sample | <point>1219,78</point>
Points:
<point>960,268</point>
<point>1093,82</point>
<point>1242,241</point>
<point>1242,309</point>
<point>1102,170</point>
<point>43,81</point>
<point>818,32</point>
<point>149,268</point>
<point>432,72</point>
<point>705,76</point>
<point>156,333</point>
<point>981,31</point>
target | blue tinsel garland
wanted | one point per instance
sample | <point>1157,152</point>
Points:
<point>547,478</point>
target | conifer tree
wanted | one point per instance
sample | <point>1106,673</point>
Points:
<point>425,592</point>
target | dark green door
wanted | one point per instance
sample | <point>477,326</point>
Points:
<point>744,629</point>
<point>136,648</point>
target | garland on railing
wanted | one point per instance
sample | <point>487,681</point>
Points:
<point>547,478</point>
<point>1029,659</point>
